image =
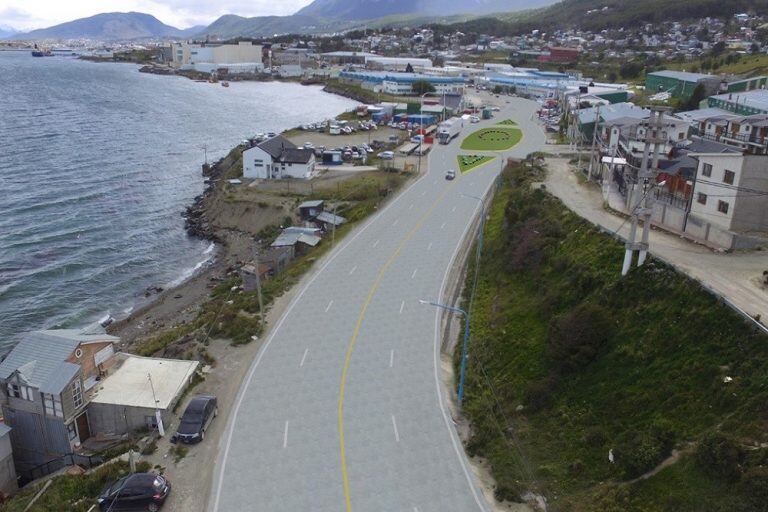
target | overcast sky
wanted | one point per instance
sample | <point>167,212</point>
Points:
<point>31,14</point>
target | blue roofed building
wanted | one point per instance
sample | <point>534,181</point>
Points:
<point>46,384</point>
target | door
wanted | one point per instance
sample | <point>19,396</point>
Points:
<point>83,429</point>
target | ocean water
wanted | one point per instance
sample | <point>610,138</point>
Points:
<point>97,164</point>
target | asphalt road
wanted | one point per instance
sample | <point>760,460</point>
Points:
<point>343,407</point>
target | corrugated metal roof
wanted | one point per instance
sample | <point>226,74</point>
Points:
<point>312,204</point>
<point>330,218</point>
<point>4,429</point>
<point>41,359</point>
<point>682,75</point>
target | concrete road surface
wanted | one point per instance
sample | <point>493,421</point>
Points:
<point>342,409</point>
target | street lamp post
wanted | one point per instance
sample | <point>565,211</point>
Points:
<point>464,346</point>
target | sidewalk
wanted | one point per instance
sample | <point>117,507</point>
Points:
<point>735,276</point>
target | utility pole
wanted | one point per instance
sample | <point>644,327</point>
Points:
<point>594,143</point>
<point>258,281</point>
<point>642,207</point>
<point>158,414</point>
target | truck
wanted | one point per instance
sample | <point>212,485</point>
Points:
<point>449,130</point>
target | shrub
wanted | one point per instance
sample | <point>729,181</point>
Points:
<point>575,338</point>
<point>753,490</point>
<point>645,450</point>
<point>719,457</point>
<point>538,396</point>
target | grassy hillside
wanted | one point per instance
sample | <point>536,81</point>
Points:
<point>617,13</point>
<point>569,360</point>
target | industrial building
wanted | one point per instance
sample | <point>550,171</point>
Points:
<point>244,57</point>
<point>743,103</point>
<point>402,83</point>
<point>680,84</point>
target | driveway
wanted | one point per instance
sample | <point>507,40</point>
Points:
<point>735,276</point>
<point>343,408</point>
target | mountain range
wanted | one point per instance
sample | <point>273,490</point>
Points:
<point>319,16</point>
<point>111,26</point>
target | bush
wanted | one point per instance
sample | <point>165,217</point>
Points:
<point>538,396</point>
<point>645,450</point>
<point>753,490</point>
<point>719,457</point>
<point>575,338</point>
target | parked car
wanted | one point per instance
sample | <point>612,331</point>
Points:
<point>387,155</point>
<point>450,174</point>
<point>474,119</point>
<point>196,418</point>
<point>137,491</point>
<point>309,145</point>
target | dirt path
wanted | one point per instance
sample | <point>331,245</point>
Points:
<point>735,276</point>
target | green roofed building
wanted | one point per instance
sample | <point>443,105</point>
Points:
<point>680,84</point>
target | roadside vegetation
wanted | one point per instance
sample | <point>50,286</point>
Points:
<point>571,364</point>
<point>469,162</point>
<point>233,314</point>
<point>73,493</point>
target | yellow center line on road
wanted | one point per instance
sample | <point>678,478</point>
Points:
<point>356,333</point>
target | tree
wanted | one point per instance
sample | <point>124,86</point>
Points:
<point>718,48</point>
<point>612,76</point>
<point>699,94</point>
<point>497,89</point>
<point>409,68</point>
<point>421,87</point>
<point>630,69</point>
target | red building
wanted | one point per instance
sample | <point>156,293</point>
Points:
<point>561,54</point>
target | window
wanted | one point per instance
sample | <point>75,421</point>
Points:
<point>722,207</point>
<point>52,405</point>
<point>701,198</point>
<point>729,177</point>
<point>72,431</point>
<point>77,394</point>
<point>707,170</point>
<point>20,391</point>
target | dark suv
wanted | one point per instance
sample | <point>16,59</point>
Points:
<point>195,420</point>
<point>138,491</point>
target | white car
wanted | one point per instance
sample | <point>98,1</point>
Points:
<point>387,155</point>
<point>309,145</point>
<point>474,119</point>
<point>450,174</point>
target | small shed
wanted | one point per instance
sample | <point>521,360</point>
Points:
<point>128,398</point>
<point>251,275</point>
<point>328,220</point>
<point>310,209</point>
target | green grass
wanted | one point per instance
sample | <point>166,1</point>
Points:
<point>653,379</point>
<point>492,139</point>
<point>469,162</point>
<point>507,122</point>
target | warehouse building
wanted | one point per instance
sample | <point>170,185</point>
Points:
<point>680,84</point>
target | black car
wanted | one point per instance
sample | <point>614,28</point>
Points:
<point>195,420</point>
<point>137,491</point>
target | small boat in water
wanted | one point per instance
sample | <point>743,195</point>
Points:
<point>42,53</point>
<point>225,84</point>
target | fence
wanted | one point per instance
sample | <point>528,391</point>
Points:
<point>52,466</point>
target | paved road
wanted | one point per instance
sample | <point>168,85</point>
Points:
<point>343,409</point>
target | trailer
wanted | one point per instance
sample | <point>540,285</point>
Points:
<point>449,130</point>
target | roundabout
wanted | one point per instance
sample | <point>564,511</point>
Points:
<point>499,138</point>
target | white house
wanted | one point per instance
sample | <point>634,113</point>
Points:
<point>278,158</point>
<point>731,191</point>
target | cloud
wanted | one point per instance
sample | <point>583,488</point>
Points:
<point>25,15</point>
